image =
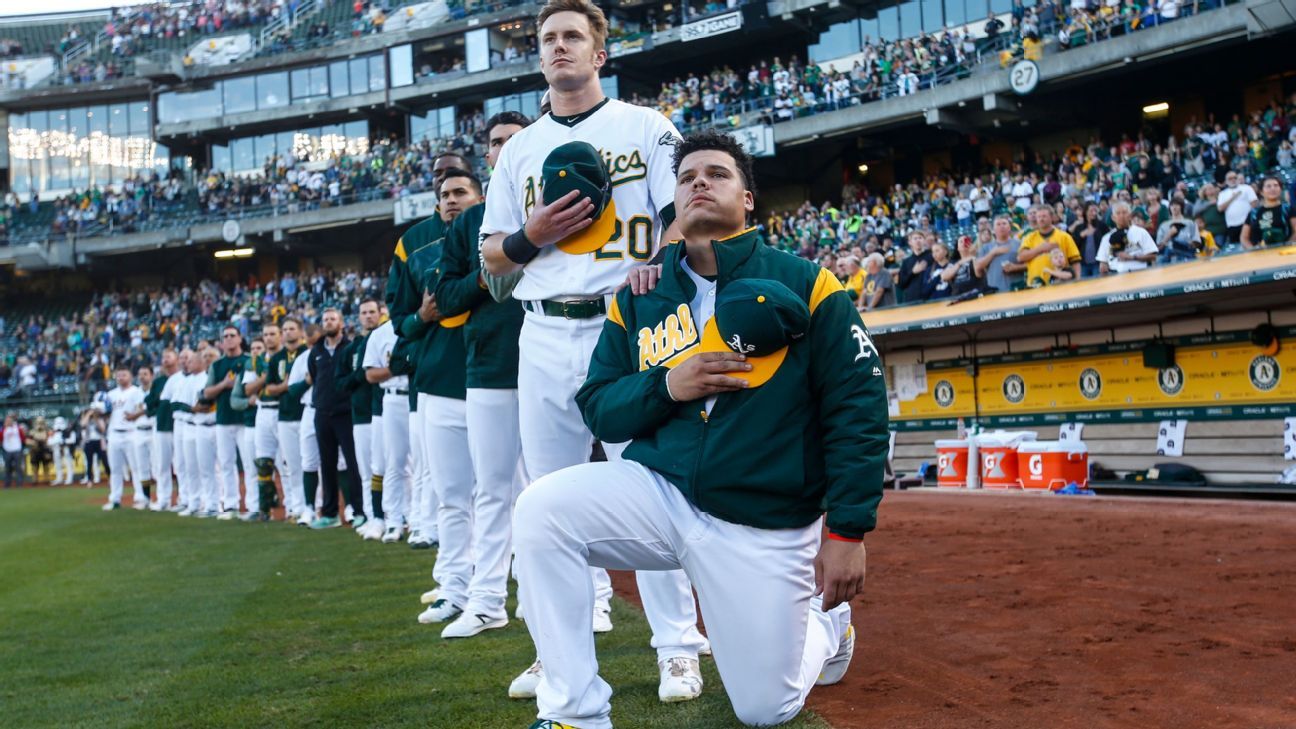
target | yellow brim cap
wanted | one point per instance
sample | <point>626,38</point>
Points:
<point>762,368</point>
<point>593,237</point>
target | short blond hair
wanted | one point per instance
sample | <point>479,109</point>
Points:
<point>597,20</point>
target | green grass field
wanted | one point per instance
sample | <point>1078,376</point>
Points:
<point>141,619</point>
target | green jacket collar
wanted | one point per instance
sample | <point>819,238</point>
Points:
<point>731,254</point>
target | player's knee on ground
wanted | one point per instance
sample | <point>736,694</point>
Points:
<point>765,708</point>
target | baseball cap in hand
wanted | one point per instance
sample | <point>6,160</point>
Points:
<point>578,166</point>
<point>758,318</point>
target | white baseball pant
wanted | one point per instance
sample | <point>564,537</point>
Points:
<point>555,354</point>
<point>769,633</point>
<point>205,464</point>
<point>421,501</point>
<point>184,485</point>
<point>445,431</point>
<point>363,436</point>
<point>378,453</point>
<point>163,460</point>
<point>120,445</point>
<point>310,459</point>
<point>290,467</point>
<point>227,441</point>
<point>396,458</point>
<point>62,468</point>
<point>496,451</point>
<point>140,457</point>
<point>247,456</point>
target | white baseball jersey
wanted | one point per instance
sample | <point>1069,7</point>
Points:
<point>638,145</point>
<point>123,402</point>
<point>300,368</point>
<point>171,390</point>
<point>378,349</point>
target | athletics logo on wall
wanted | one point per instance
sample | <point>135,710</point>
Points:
<point>1014,389</point>
<point>1265,373</point>
<point>1170,380</point>
<point>944,393</point>
<point>1090,383</point>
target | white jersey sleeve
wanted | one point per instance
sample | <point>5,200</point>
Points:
<point>377,348</point>
<point>661,173</point>
<point>504,213</point>
<point>299,369</point>
<point>171,388</point>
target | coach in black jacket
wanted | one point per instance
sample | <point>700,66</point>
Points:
<point>333,423</point>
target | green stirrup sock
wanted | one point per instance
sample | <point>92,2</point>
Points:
<point>310,481</point>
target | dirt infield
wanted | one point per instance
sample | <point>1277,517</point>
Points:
<point>1025,610</point>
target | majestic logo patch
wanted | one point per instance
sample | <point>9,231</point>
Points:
<point>668,140</point>
<point>670,337</point>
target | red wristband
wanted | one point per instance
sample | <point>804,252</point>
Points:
<point>840,538</point>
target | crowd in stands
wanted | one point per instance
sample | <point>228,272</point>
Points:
<point>133,325</point>
<point>132,28</point>
<point>1105,209</point>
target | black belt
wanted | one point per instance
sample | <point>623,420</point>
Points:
<point>120,431</point>
<point>205,425</point>
<point>578,309</point>
<point>399,391</point>
<point>268,405</point>
<point>143,427</point>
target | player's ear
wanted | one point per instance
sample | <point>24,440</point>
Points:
<point>600,58</point>
<point>749,201</point>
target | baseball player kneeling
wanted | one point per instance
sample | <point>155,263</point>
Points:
<point>752,397</point>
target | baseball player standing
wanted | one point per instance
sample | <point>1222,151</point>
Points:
<point>573,254</point>
<point>752,397</point>
<point>265,428</point>
<point>247,436</point>
<point>221,379</point>
<point>491,402</point>
<point>439,377</point>
<point>351,379</point>
<point>170,398</point>
<point>307,444</point>
<point>159,408</point>
<point>140,455</point>
<point>123,400</point>
<point>288,425</point>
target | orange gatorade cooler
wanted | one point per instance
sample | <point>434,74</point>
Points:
<point>951,463</point>
<point>1052,465</point>
<point>998,456</point>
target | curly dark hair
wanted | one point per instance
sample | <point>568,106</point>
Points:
<point>719,141</point>
<point>507,117</point>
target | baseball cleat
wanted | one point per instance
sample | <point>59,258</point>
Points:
<point>228,515</point>
<point>705,650</point>
<point>186,511</point>
<point>252,516</point>
<point>430,596</point>
<point>372,530</point>
<point>602,620</point>
<point>547,724</point>
<point>466,626</point>
<point>306,517</point>
<point>156,506</point>
<point>418,540</point>
<point>834,669</point>
<point>681,680</point>
<point>359,521</point>
<point>524,686</point>
<point>111,505</point>
<point>391,535</point>
<point>208,514</point>
<point>140,505</point>
<point>439,612</point>
<point>326,522</point>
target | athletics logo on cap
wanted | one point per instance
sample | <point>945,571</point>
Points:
<point>578,166</point>
<point>757,318</point>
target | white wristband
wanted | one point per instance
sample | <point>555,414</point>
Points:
<point>668,389</point>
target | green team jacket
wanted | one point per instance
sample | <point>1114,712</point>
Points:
<point>439,366</point>
<point>290,402</point>
<point>813,439</point>
<point>492,330</point>
<point>351,378</point>
<point>223,369</point>
<point>250,412</point>
<point>404,294</point>
<point>156,408</point>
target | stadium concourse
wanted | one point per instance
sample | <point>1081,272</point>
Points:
<point>255,268</point>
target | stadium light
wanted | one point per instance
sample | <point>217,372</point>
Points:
<point>235,252</point>
<point>1157,108</point>
<point>863,169</point>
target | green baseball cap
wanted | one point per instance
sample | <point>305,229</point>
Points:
<point>758,318</point>
<point>578,166</point>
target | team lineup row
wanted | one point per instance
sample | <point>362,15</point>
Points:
<point>510,344</point>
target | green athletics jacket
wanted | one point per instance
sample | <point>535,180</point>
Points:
<point>290,401</point>
<point>227,368</point>
<point>439,364</point>
<point>813,439</point>
<point>351,378</point>
<point>404,294</point>
<point>492,330</point>
<point>156,407</point>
